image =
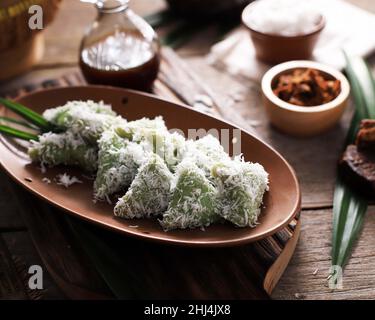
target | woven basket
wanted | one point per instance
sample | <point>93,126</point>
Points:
<point>21,47</point>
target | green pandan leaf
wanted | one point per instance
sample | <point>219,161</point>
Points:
<point>349,207</point>
<point>26,113</point>
<point>17,133</point>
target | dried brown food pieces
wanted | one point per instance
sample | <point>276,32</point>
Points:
<point>366,135</point>
<point>306,87</point>
<point>357,164</point>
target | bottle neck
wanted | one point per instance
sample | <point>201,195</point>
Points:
<point>112,6</point>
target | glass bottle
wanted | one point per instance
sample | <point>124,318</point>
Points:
<point>120,48</point>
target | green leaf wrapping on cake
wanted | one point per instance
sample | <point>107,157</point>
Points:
<point>169,146</point>
<point>118,162</point>
<point>149,192</point>
<point>205,152</point>
<point>87,118</point>
<point>66,148</point>
<point>194,202</point>
<point>140,126</point>
<point>241,188</point>
<point>154,137</point>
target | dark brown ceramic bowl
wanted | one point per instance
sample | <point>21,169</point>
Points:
<point>273,48</point>
<point>281,203</point>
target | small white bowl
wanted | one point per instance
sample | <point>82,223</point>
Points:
<point>303,121</point>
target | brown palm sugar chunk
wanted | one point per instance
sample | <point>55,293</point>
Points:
<point>366,135</point>
<point>306,87</point>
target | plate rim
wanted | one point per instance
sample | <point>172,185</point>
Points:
<point>150,237</point>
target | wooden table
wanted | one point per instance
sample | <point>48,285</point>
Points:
<point>313,159</point>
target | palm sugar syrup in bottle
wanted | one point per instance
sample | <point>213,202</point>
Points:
<point>120,48</point>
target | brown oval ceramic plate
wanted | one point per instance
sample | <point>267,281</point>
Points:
<point>281,204</point>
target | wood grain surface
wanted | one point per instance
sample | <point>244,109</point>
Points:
<point>313,159</point>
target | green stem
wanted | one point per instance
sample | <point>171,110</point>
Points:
<point>20,122</point>
<point>18,133</point>
<point>26,113</point>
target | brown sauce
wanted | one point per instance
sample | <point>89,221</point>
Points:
<point>123,60</point>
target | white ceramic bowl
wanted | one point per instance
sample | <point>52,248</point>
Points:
<point>303,121</point>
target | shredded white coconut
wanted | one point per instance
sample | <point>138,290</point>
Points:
<point>284,17</point>
<point>66,180</point>
<point>46,180</point>
<point>43,168</point>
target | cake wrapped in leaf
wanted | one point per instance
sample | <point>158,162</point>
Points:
<point>206,152</point>
<point>118,162</point>
<point>154,137</point>
<point>66,148</point>
<point>194,202</point>
<point>241,187</point>
<point>169,146</point>
<point>140,127</point>
<point>149,192</point>
<point>89,119</point>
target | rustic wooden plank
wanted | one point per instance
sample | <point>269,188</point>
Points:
<point>11,284</point>
<point>62,257</point>
<point>197,273</point>
<point>313,255</point>
<point>191,89</point>
<point>24,255</point>
<point>9,215</point>
<point>34,76</point>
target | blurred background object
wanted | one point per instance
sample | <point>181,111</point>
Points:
<point>236,54</point>
<point>21,47</point>
<point>283,30</point>
<point>203,8</point>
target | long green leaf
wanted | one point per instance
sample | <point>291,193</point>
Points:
<point>349,207</point>
<point>17,133</point>
<point>26,113</point>
<point>19,122</point>
<point>349,210</point>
